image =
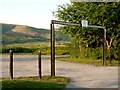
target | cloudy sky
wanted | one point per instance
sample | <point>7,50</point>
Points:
<point>36,13</point>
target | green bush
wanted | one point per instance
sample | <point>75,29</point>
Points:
<point>61,50</point>
<point>83,52</point>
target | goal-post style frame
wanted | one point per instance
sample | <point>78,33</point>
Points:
<point>52,42</point>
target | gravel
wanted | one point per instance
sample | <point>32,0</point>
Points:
<point>82,76</point>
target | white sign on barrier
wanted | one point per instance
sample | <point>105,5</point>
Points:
<point>84,23</point>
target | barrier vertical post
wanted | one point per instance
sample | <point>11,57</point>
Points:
<point>104,48</point>
<point>52,49</point>
<point>39,64</point>
<point>11,64</point>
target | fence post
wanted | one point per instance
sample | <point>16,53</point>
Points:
<point>119,55</point>
<point>104,48</point>
<point>39,64</point>
<point>11,64</point>
<point>52,49</point>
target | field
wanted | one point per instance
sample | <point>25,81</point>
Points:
<point>33,48</point>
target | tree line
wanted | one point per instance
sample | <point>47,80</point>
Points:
<point>105,14</point>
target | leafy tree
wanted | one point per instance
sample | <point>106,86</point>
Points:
<point>103,14</point>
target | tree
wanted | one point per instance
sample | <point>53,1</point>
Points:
<point>103,14</point>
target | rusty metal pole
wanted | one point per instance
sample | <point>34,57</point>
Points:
<point>52,49</point>
<point>104,48</point>
<point>11,64</point>
<point>39,64</point>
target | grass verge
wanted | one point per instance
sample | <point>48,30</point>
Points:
<point>34,83</point>
<point>88,61</point>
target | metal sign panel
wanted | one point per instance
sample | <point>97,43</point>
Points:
<point>84,23</point>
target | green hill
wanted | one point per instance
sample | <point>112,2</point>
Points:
<point>12,34</point>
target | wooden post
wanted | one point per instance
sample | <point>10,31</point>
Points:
<point>119,55</point>
<point>52,50</point>
<point>39,64</point>
<point>104,48</point>
<point>11,64</point>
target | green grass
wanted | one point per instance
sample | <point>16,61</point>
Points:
<point>34,82</point>
<point>88,61</point>
<point>29,45</point>
<point>33,48</point>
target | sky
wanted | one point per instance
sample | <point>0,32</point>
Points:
<point>35,13</point>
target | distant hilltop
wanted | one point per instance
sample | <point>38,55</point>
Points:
<point>22,29</point>
<point>13,33</point>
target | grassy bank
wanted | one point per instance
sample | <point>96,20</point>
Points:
<point>33,48</point>
<point>89,61</point>
<point>34,83</point>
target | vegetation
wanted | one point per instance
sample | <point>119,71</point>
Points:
<point>91,54</point>
<point>103,14</point>
<point>89,61</point>
<point>83,52</point>
<point>33,48</point>
<point>34,83</point>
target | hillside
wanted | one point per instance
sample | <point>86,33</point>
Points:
<point>12,33</point>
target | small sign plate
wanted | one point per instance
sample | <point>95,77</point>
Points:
<point>84,23</point>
